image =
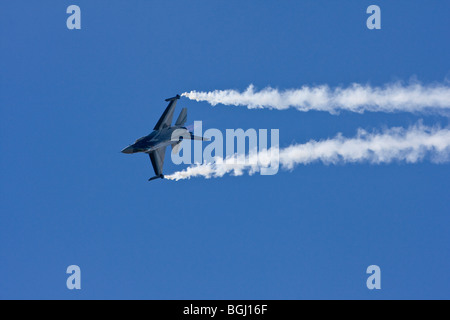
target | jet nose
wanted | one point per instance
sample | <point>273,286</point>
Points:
<point>128,149</point>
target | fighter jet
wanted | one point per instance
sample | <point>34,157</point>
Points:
<point>163,135</point>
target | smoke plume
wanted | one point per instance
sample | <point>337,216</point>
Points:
<point>415,98</point>
<point>410,145</point>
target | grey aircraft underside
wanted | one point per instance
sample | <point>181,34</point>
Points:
<point>163,135</point>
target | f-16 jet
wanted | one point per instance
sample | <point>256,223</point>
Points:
<point>163,135</point>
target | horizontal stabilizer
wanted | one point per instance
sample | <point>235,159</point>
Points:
<point>198,138</point>
<point>176,147</point>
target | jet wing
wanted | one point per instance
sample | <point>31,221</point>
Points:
<point>167,116</point>
<point>157,158</point>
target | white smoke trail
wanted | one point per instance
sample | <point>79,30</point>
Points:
<point>397,144</point>
<point>355,98</point>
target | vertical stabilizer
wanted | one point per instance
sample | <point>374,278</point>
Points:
<point>181,118</point>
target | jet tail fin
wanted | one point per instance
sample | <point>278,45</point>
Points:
<point>181,118</point>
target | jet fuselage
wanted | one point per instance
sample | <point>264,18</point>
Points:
<point>157,139</point>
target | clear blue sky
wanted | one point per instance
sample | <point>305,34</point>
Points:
<point>70,100</point>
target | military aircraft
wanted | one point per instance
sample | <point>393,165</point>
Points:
<point>164,135</point>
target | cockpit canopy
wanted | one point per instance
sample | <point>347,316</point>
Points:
<point>148,137</point>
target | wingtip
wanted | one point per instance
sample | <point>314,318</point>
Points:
<point>161,176</point>
<point>174,98</point>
